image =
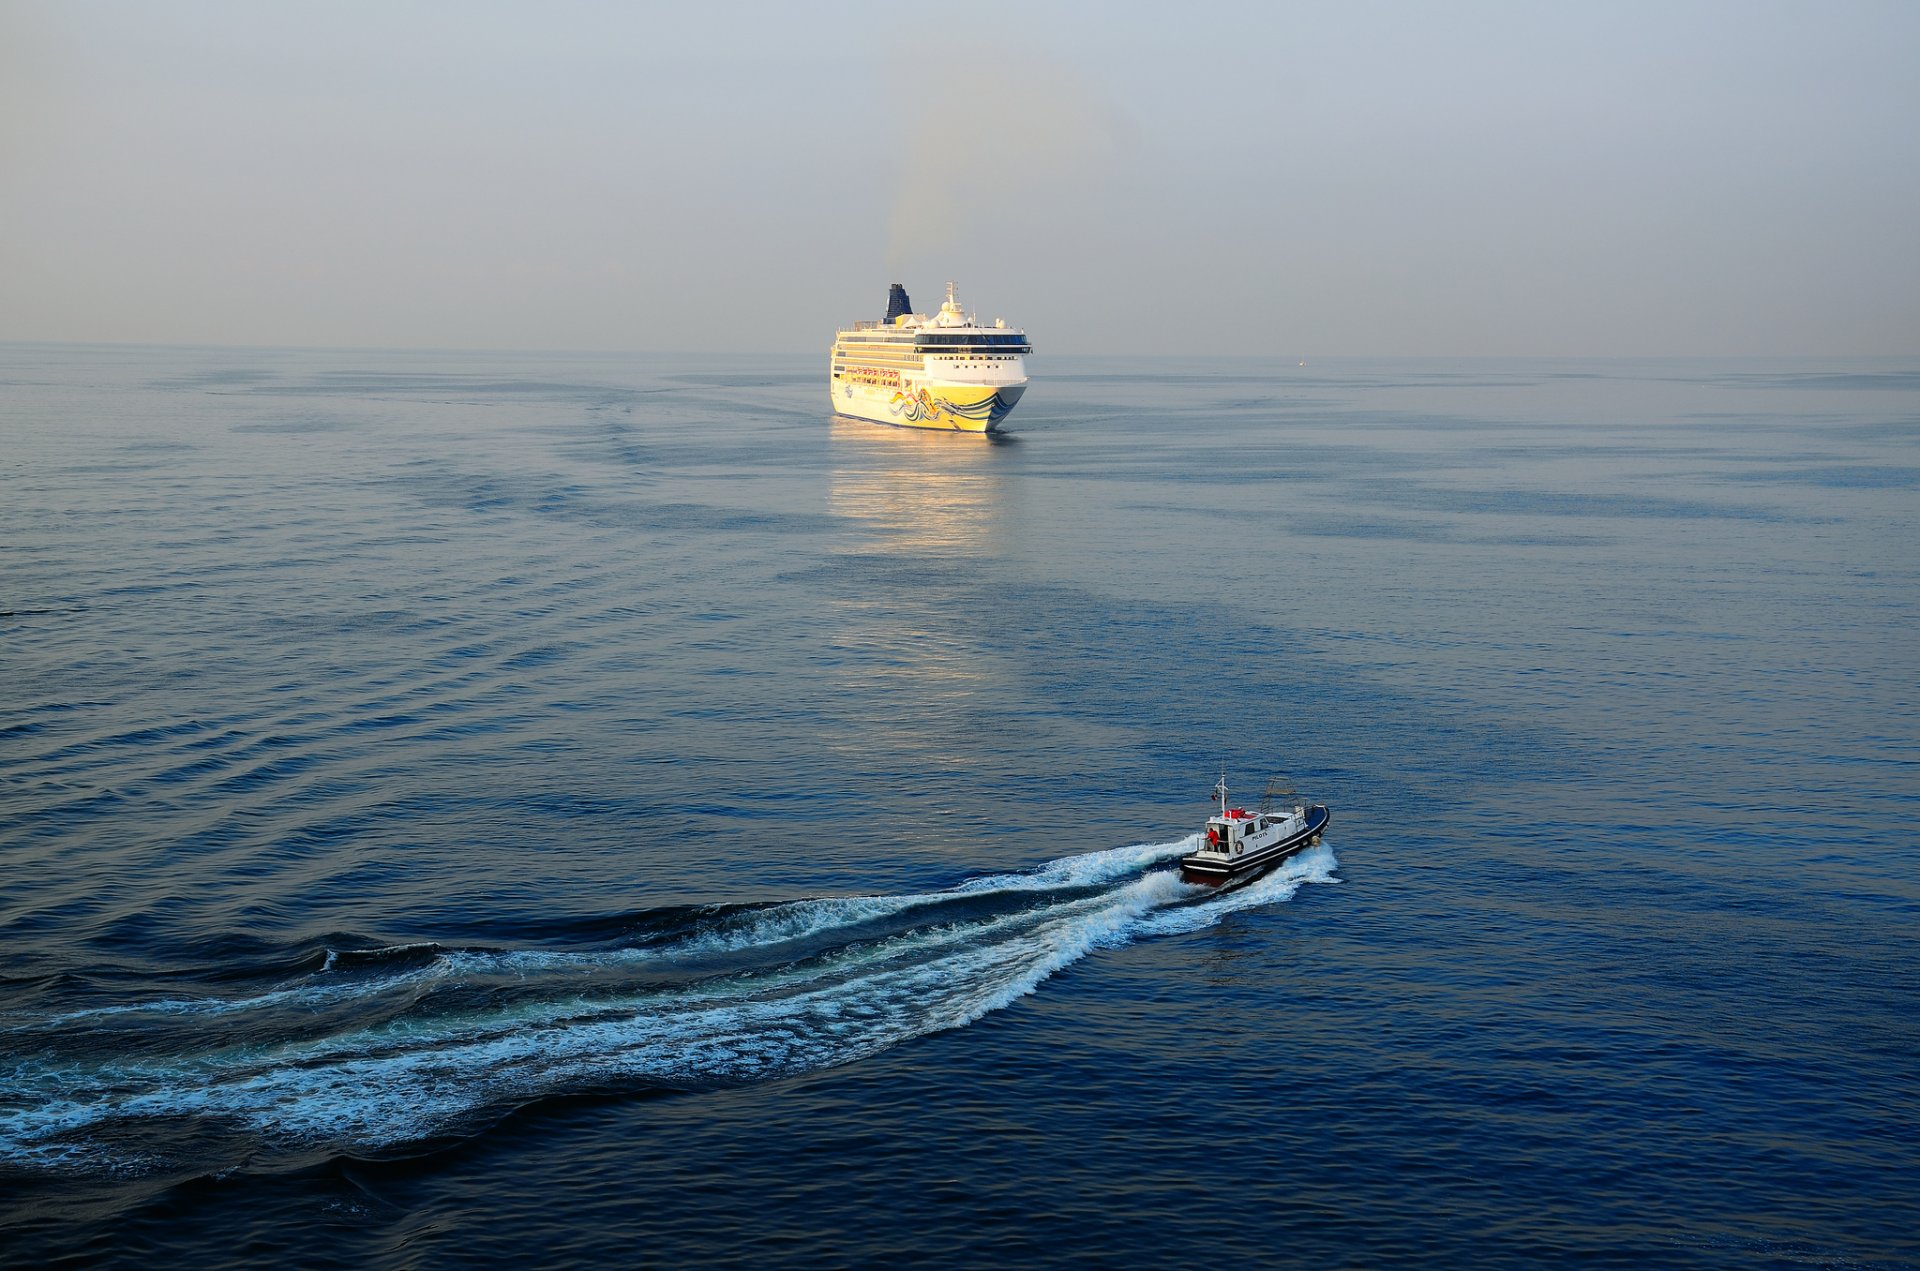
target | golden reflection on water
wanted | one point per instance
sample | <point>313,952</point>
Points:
<point>926,493</point>
<point>919,496</point>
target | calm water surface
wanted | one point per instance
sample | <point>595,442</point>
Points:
<point>514,809</point>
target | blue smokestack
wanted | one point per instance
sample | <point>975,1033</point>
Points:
<point>897,302</point>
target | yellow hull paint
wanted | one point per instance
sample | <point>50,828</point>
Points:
<point>942,407</point>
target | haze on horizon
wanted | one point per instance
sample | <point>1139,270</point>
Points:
<point>1694,178</point>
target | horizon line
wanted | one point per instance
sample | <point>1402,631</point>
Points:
<point>555,350</point>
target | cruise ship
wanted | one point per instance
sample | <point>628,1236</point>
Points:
<point>939,370</point>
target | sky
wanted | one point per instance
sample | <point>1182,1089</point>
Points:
<point>1686,178</point>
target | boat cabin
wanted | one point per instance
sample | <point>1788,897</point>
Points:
<point>1237,830</point>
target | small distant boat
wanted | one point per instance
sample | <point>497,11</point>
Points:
<point>1241,845</point>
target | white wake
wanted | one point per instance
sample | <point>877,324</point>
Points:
<point>823,982</point>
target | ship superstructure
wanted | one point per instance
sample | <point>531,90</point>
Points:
<point>938,370</point>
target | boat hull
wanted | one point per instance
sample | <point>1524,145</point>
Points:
<point>945,407</point>
<point>1239,870</point>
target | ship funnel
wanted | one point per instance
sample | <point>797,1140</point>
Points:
<point>897,302</point>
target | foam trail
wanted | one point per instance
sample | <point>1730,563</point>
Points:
<point>829,982</point>
<point>757,929</point>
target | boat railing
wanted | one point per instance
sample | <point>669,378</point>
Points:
<point>1279,792</point>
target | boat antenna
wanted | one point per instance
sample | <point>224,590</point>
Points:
<point>1220,792</point>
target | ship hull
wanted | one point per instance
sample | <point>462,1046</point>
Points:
<point>944,407</point>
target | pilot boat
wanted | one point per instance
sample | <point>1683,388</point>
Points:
<point>1240,845</point>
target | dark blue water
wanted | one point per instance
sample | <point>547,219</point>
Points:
<point>522,809</point>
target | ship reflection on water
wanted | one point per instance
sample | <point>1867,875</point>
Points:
<point>925,514</point>
<point>922,493</point>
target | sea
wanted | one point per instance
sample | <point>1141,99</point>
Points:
<point>530,809</point>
